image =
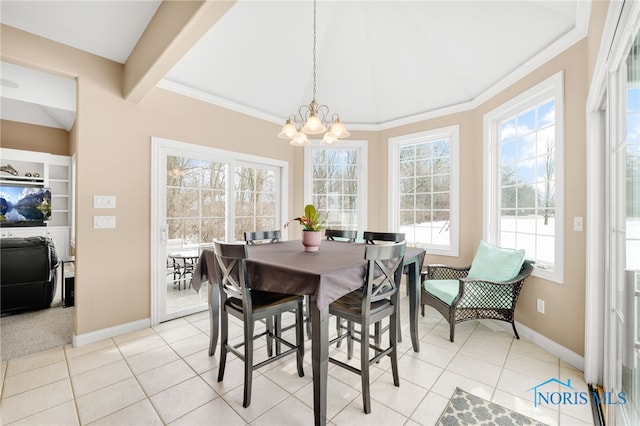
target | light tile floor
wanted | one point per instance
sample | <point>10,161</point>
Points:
<point>163,375</point>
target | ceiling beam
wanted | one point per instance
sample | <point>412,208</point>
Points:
<point>174,29</point>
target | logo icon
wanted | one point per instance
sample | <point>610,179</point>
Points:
<point>568,395</point>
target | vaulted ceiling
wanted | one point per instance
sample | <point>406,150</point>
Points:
<point>379,63</point>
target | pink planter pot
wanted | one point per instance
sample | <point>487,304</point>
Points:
<point>311,240</point>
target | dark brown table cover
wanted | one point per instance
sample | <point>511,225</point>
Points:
<point>284,267</point>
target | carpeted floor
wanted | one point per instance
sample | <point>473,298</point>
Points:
<point>32,332</point>
<point>467,409</point>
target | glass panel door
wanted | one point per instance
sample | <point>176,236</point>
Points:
<point>195,216</point>
<point>627,250</point>
<point>201,194</point>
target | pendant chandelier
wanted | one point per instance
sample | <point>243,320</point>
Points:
<point>313,119</point>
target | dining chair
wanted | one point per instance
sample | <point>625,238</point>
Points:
<point>239,300</point>
<point>341,235</point>
<point>385,237</point>
<point>346,236</point>
<point>388,237</point>
<point>267,237</point>
<point>375,300</point>
<point>257,237</point>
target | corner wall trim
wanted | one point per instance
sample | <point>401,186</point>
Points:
<point>106,333</point>
<point>545,343</point>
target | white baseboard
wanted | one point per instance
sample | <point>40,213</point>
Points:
<point>545,343</point>
<point>106,333</point>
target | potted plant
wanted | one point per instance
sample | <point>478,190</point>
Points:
<point>312,222</point>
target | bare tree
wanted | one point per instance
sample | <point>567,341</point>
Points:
<point>547,198</point>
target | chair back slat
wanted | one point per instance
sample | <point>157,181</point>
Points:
<point>257,237</point>
<point>231,270</point>
<point>389,237</point>
<point>384,271</point>
<point>349,236</point>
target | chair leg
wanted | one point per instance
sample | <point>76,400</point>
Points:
<point>338,331</point>
<point>452,323</point>
<point>277,330</point>
<point>300,339</point>
<point>398,322</point>
<point>269,325</point>
<point>224,337</point>
<point>513,324</point>
<point>248,361</point>
<point>364,368</point>
<point>377,335</point>
<point>350,339</point>
<point>393,343</point>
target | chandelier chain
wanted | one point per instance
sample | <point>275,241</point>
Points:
<point>314,49</point>
<point>314,119</point>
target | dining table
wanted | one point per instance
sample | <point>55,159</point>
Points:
<point>335,270</point>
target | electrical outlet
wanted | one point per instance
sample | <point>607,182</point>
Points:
<point>104,202</point>
<point>104,222</point>
<point>540,306</point>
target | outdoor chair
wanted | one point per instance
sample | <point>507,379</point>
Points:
<point>341,235</point>
<point>487,289</point>
<point>238,299</point>
<point>376,300</point>
<point>258,237</point>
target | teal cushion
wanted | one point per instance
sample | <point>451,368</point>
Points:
<point>445,290</point>
<point>496,264</point>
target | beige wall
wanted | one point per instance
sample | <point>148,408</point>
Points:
<point>113,145</point>
<point>30,137</point>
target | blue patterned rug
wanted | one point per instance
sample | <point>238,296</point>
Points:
<point>466,409</point>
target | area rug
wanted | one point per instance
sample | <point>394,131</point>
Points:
<point>466,409</point>
<point>31,332</point>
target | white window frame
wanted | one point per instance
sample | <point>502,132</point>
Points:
<point>553,86</point>
<point>452,133</point>
<point>361,146</point>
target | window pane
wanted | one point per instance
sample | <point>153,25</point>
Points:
<point>335,184</point>
<point>527,181</point>
<point>545,249</point>
<point>425,185</point>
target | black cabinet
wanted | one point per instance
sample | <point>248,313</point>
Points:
<point>68,283</point>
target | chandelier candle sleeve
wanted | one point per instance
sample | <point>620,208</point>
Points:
<point>313,119</point>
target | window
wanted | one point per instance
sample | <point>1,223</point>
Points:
<point>524,176</point>
<point>195,199</point>
<point>215,194</point>
<point>256,199</point>
<point>336,182</point>
<point>632,159</point>
<point>424,188</point>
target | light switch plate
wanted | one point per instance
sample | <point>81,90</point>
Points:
<point>577,224</point>
<point>104,201</point>
<point>104,222</point>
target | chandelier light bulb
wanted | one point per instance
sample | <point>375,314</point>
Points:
<point>299,139</point>
<point>338,129</point>
<point>314,125</point>
<point>329,139</point>
<point>288,130</point>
